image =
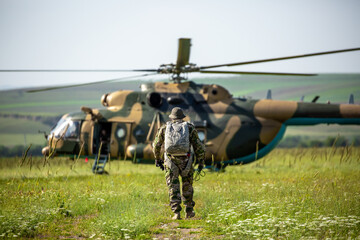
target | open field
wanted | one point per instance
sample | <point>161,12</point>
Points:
<point>290,194</point>
<point>21,126</point>
<point>21,132</point>
<point>13,139</point>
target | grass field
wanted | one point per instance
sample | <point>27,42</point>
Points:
<point>290,194</point>
<point>21,132</point>
<point>22,126</point>
<point>13,139</point>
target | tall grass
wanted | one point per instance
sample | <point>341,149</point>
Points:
<point>291,193</point>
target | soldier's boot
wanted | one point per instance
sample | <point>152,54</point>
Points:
<point>176,216</point>
<point>190,214</point>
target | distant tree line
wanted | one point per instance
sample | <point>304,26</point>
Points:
<point>303,141</point>
<point>47,120</point>
<point>19,150</point>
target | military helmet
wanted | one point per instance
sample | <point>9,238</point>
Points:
<point>177,113</point>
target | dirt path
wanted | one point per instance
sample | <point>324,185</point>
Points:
<point>173,230</point>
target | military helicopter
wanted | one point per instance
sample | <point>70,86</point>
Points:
<point>234,130</point>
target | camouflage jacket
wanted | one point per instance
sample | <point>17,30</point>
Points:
<point>198,147</point>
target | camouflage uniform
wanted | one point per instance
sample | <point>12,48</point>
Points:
<point>175,166</point>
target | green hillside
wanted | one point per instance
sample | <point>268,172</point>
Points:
<point>13,139</point>
<point>21,126</point>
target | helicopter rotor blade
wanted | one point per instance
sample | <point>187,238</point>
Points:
<point>183,52</point>
<point>77,70</point>
<point>85,84</point>
<point>280,58</point>
<point>260,73</point>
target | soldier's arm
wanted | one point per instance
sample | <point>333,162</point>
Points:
<point>199,148</point>
<point>158,142</point>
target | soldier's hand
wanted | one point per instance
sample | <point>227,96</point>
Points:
<point>159,163</point>
<point>199,172</point>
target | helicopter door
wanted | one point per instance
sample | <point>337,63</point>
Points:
<point>121,133</point>
<point>101,133</point>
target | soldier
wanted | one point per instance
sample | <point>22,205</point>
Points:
<point>177,137</point>
<point>105,140</point>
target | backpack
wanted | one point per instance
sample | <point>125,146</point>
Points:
<point>177,138</point>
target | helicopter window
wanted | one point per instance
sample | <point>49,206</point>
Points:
<point>201,135</point>
<point>59,128</point>
<point>120,133</point>
<point>72,128</point>
<point>139,132</point>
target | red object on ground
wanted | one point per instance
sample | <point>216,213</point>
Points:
<point>86,159</point>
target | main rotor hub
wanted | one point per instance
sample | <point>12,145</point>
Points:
<point>177,77</point>
<point>177,73</point>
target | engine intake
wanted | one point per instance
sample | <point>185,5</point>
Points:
<point>154,99</point>
<point>104,100</point>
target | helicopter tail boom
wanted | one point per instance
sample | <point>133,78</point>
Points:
<point>299,113</point>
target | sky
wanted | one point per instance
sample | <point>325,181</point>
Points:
<point>137,34</point>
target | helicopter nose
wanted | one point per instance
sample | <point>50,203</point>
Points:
<point>45,151</point>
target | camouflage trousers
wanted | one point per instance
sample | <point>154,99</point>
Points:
<point>173,171</point>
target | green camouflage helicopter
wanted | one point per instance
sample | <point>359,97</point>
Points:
<point>234,130</point>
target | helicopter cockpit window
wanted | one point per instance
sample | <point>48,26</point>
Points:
<point>72,129</point>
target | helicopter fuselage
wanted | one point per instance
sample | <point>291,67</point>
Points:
<point>234,130</point>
